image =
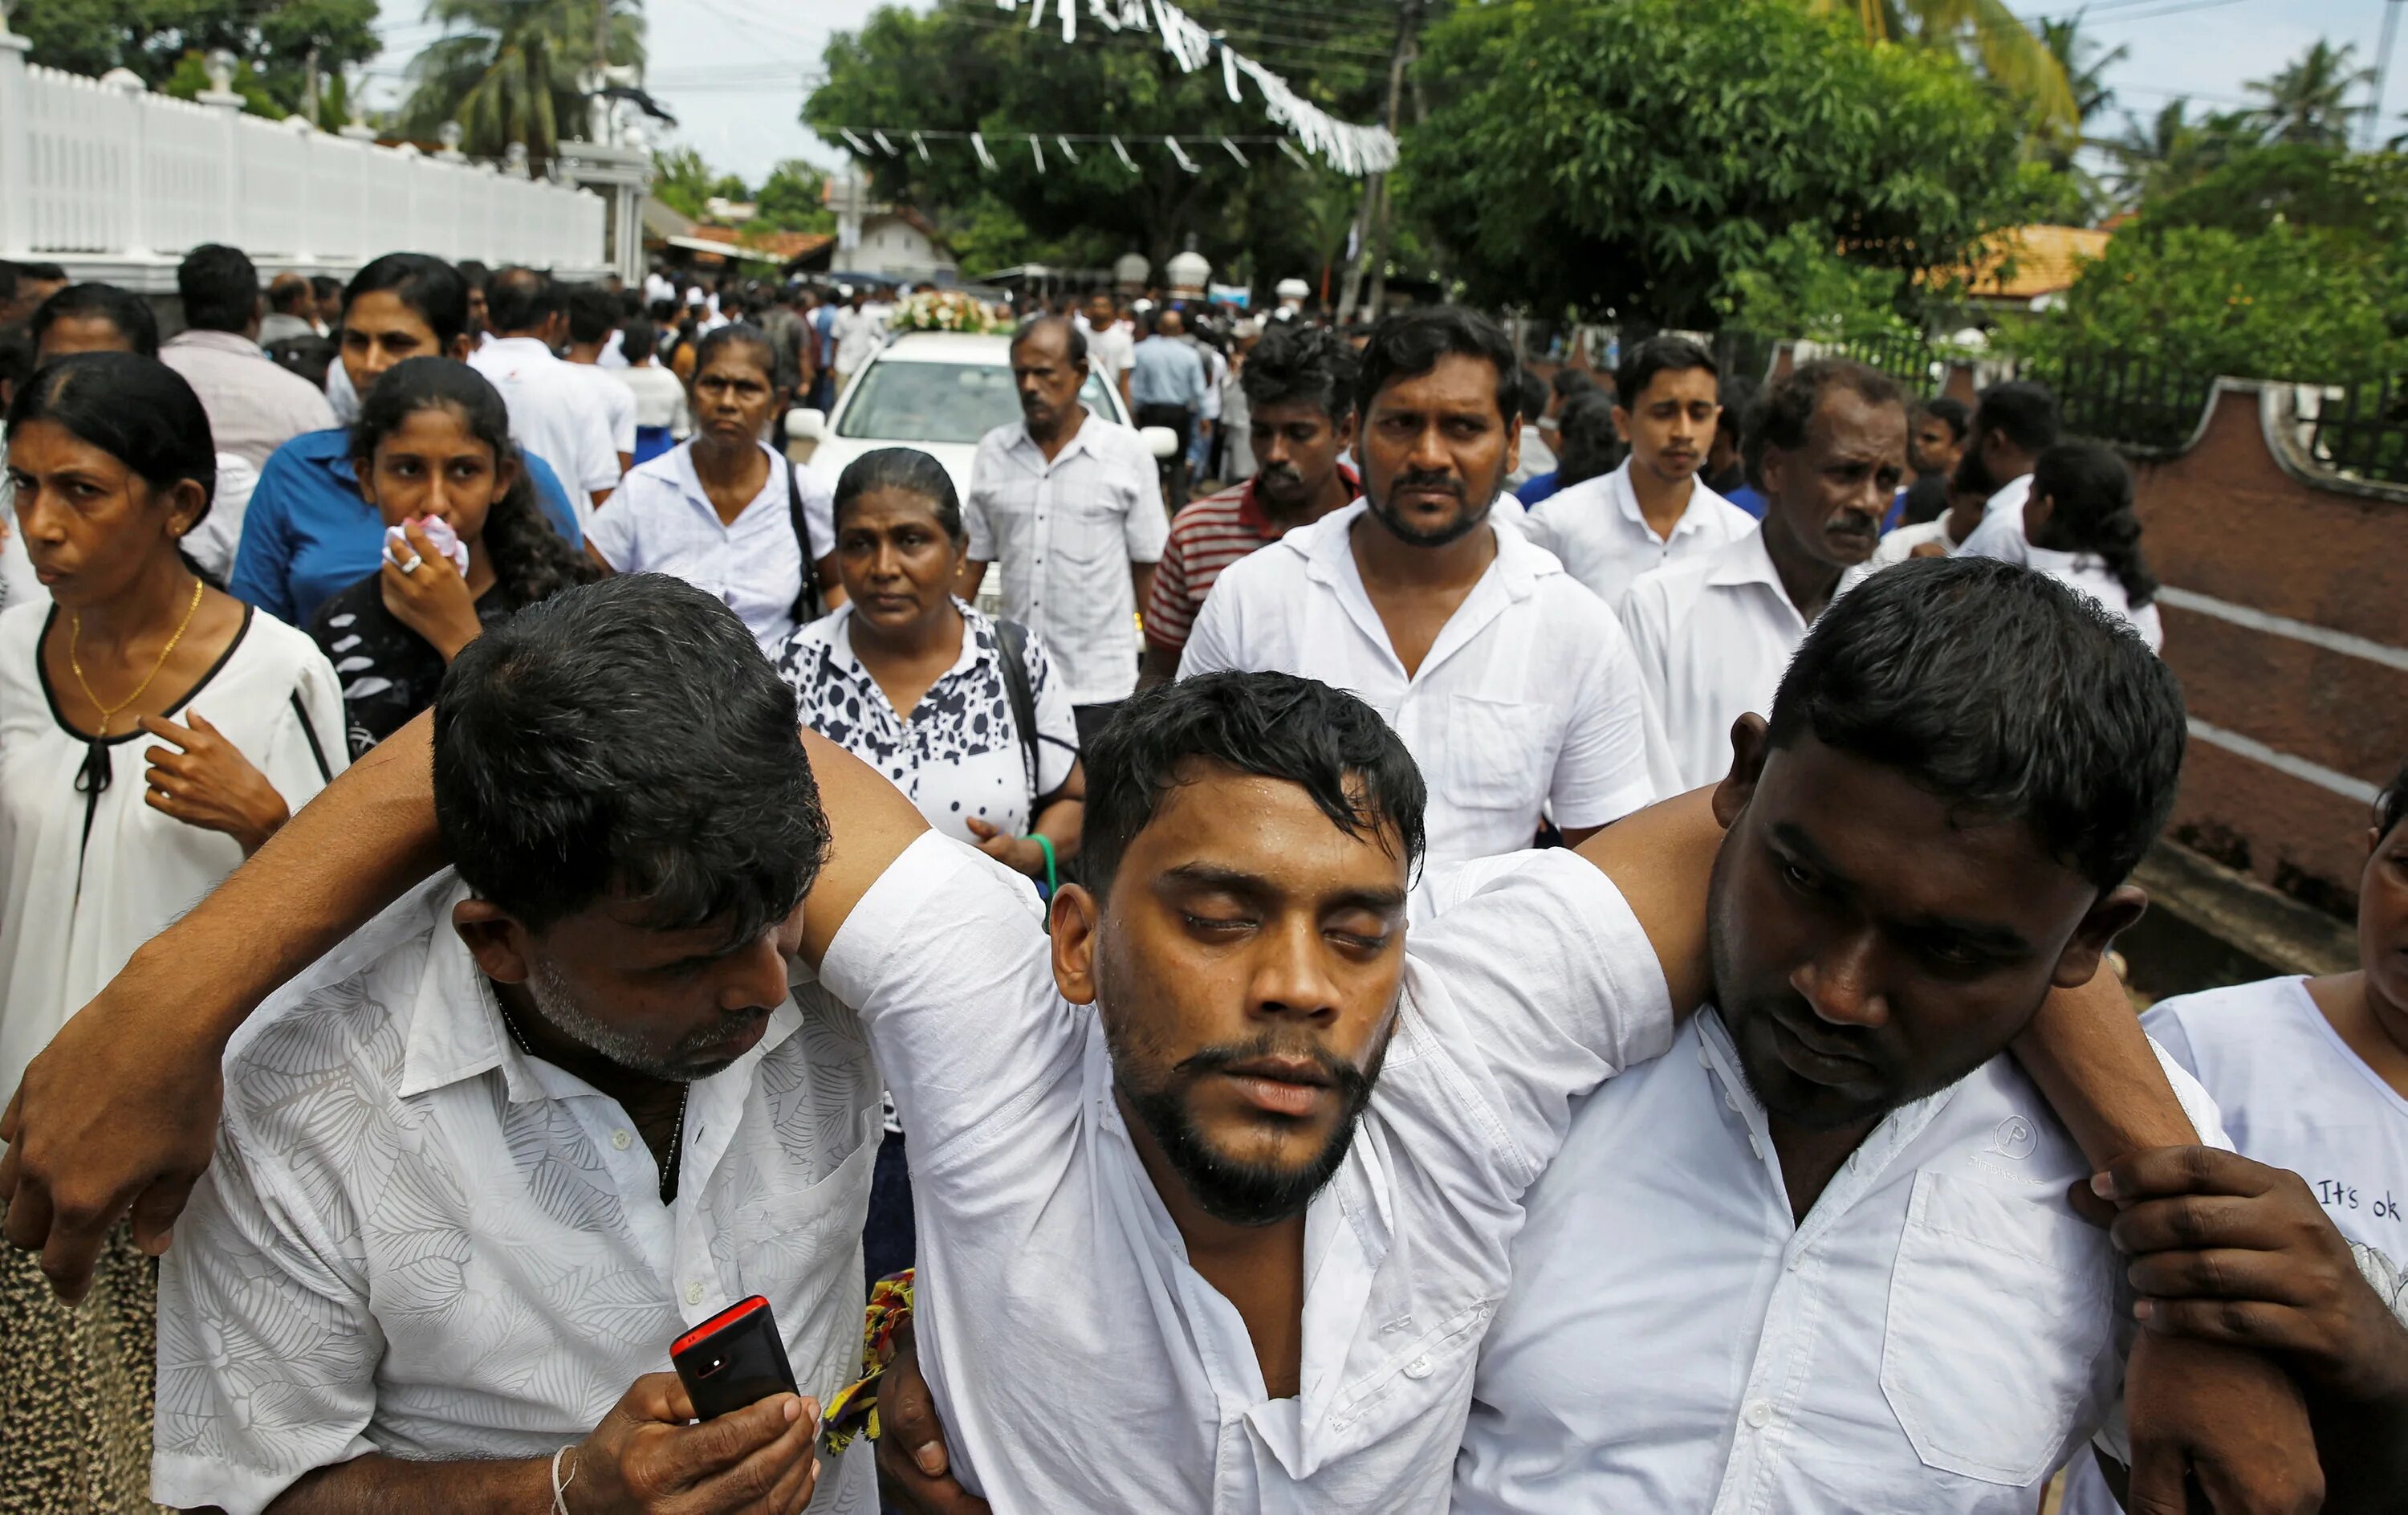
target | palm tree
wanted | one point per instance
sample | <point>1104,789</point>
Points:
<point>2084,65</point>
<point>1994,36</point>
<point>2309,101</point>
<point>2171,152</point>
<point>507,70</point>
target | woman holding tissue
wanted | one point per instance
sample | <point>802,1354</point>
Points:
<point>466,543</point>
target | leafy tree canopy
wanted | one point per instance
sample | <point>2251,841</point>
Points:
<point>790,200</point>
<point>507,70</point>
<point>1630,157</point>
<point>958,69</point>
<point>155,37</point>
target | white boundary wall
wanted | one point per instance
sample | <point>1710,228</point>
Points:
<point>115,182</point>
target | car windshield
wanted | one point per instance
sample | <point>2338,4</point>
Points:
<point>941,402</point>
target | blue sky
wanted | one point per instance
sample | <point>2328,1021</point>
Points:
<point>731,70</point>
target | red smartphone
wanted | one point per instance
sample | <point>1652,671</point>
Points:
<point>734,1358</point>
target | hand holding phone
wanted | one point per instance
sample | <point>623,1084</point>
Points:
<point>650,1455</point>
<point>734,1358</point>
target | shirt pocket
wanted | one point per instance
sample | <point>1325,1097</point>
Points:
<point>1490,760</point>
<point>1998,1309</point>
<point>1087,531</point>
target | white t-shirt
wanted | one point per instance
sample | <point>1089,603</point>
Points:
<point>959,754</point>
<point>1713,637</point>
<point>1529,699</point>
<point>2294,1095</point>
<point>1077,1360</point>
<point>661,521</point>
<point>1110,351</point>
<point>1604,541</point>
<point>1938,1335</point>
<point>858,334</point>
<point>2000,536</point>
<point>618,402</point>
<point>554,415</point>
<point>91,875</point>
<point>660,399</point>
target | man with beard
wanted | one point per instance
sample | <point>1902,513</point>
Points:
<point>479,1168</point>
<point>2013,423</point>
<point>1071,506</point>
<point>1509,683</point>
<point>1822,1256</point>
<point>1713,634</point>
<point>1299,388</point>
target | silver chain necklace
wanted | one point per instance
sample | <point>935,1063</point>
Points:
<point>669,1160</point>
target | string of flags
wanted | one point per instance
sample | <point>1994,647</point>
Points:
<point>1352,150</point>
<point>874,142</point>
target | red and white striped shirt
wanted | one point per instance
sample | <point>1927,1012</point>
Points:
<point>1207,536</point>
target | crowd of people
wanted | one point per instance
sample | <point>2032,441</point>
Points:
<point>1545,947</point>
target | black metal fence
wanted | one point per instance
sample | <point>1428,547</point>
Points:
<point>2362,429</point>
<point>2133,404</point>
<point>1910,360</point>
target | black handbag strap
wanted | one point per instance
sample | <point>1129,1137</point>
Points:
<point>1012,638</point>
<point>807,599</point>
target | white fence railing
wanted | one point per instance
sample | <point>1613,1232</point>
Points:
<point>96,172</point>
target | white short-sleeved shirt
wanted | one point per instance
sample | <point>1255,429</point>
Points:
<point>661,521</point>
<point>2294,1095</point>
<point>1896,547</point>
<point>89,875</point>
<point>858,334</point>
<point>1713,637</point>
<point>1065,533</point>
<point>2000,536</point>
<point>1603,540</point>
<point>960,754</point>
<point>416,1240</point>
<point>1110,352</point>
<point>617,401</point>
<point>1049,1269</point>
<point>554,415</point>
<point>1940,1334</point>
<point>2008,499</point>
<point>660,399</point>
<point>1529,698</point>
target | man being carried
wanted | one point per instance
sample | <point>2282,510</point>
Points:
<point>1713,634</point>
<point>479,1169</point>
<point>1299,387</point>
<point>1510,683</point>
<point>1654,508</point>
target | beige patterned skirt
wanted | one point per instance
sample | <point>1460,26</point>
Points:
<point>76,1386</point>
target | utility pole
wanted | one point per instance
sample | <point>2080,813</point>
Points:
<point>309,76</point>
<point>1372,220</point>
<point>2381,73</point>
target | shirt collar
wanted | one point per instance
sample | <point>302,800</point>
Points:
<point>1744,560</point>
<point>456,1032</point>
<point>220,342</point>
<point>1328,551</point>
<point>1693,514</point>
<point>520,347</point>
<point>976,636</point>
<point>690,483</point>
<point>1077,445</point>
<point>1251,515</point>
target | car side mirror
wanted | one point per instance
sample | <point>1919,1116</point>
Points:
<point>806,424</point>
<point>1160,440</point>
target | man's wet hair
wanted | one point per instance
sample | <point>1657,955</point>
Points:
<point>1295,362</point>
<point>1657,355</point>
<point>1410,344</point>
<point>1325,740</point>
<point>2004,693</point>
<point>627,737</point>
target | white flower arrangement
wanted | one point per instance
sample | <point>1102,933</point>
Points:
<point>944,309</point>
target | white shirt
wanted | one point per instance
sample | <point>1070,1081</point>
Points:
<point>660,399</point>
<point>2009,498</point>
<point>618,402</point>
<point>212,544</point>
<point>1110,351</point>
<point>1597,529</point>
<point>1065,534</point>
<point>657,288</point>
<point>1940,1334</point>
<point>858,334</point>
<point>1051,1272</point>
<point>1528,699</point>
<point>554,415</point>
<point>416,1240</point>
<point>661,521</point>
<point>2294,1095</point>
<point>90,876</point>
<point>1713,637</point>
<point>960,754</point>
<point>2000,536</point>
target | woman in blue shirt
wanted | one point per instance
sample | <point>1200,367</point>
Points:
<point>309,531</point>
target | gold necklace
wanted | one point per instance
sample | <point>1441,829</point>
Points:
<point>108,712</point>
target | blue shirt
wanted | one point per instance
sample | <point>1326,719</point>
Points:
<point>1539,486</point>
<point>1167,373</point>
<point>1748,498</point>
<point>308,534</point>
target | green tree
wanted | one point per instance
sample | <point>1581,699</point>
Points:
<point>2171,152</point>
<point>2360,198</point>
<point>961,67</point>
<point>1630,157</point>
<point>507,70</point>
<point>273,41</point>
<point>791,198</point>
<point>2308,101</point>
<point>1988,30</point>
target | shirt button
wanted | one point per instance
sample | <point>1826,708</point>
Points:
<point>1756,1146</point>
<point>1730,1101</point>
<point>1796,1261</point>
<point>620,1139</point>
<point>693,1296</point>
<point>1418,1368</point>
<point>1758,1413</point>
